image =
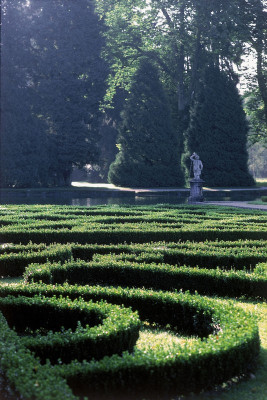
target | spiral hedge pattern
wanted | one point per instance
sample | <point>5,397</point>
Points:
<point>89,272</point>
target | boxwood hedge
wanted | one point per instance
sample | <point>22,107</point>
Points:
<point>108,270</point>
<point>138,225</point>
<point>228,255</point>
<point>71,329</point>
<point>228,344</point>
<point>144,250</point>
<point>14,264</point>
<point>24,371</point>
<point>130,234</point>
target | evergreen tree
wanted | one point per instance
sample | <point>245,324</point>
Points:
<point>22,135</point>
<point>53,81</point>
<point>218,132</point>
<point>148,150</point>
<point>74,70</point>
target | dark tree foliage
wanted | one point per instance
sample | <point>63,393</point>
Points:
<point>182,38</point>
<point>108,139</point>
<point>22,135</point>
<point>53,81</point>
<point>148,155</point>
<point>218,132</point>
<point>254,109</point>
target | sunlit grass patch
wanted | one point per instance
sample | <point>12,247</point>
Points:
<point>152,339</point>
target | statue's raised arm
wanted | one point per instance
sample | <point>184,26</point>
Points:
<point>197,165</point>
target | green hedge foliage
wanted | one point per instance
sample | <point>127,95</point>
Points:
<point>108,270</point>
<point>228,345</point>
<point>179,370</point>
<point>229,255</point>
<point>24,371</point>
<point>69,330</point>
<point>141,251</point>
<point>59,328</point>
<point>140,225</point>
<point>237,255</point>
<point>131,234</point>
<point>14,264</point>
<point>21,248</point>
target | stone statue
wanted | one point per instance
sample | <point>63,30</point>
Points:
<point>197,165</point>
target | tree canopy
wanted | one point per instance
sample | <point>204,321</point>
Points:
<point>65,64</point>
<point>218,132</point>
<point>181,36</point>
<point>148,148</point>
<point>53,83</point>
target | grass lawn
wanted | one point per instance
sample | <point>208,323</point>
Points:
<point>258,202</point>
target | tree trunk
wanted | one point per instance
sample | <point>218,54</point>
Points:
<point>66,176</point>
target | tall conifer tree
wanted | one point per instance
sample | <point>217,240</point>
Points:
<point>148,149</point>
<point>53,81</point>
<point>218,132</point>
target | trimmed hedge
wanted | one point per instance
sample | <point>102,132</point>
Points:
<point>24,371</point>
<point>226,341</point>
<point>229,345</point>
<point>68,330</point>
<point>154,224</point>
<point>14,264</point>
<point>238,255</point>
<point>133,235</point>
<point>110,270</point>
<point>22,248</point>
<point>180,370</point>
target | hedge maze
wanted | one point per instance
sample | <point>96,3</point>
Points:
<point>128,302</point>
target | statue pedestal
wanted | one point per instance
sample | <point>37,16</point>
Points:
<point>196,190</point>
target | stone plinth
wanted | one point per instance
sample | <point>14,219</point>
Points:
<point>196,190</point>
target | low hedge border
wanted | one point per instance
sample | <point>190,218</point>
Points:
<point>204,258</point>
<point>24,371</point>
<point>261,269</point>
<point>109,270</point>
<point>207,254</point>
<point>134,235</point>
<point>123,210</point>
<point>22,248</point>
<point>14,258</point>
<point>218,224</point>
<point>91,330</point>
<point>230,350</point>
<point>231,339</point>
<point>147,221</point>
<point>108,216</point>
<point>14,264</point>
<point>42,220</point>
